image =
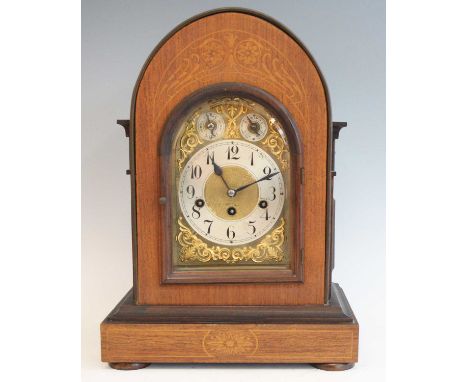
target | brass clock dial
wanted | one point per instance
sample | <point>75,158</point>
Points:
<point>231,192</point>
<point>232,185</point>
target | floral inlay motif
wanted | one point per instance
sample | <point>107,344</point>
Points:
<point>230,343</point>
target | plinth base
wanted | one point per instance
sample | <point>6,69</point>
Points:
<point>323,335</point>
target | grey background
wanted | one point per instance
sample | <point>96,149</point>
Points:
<point>347,39</point>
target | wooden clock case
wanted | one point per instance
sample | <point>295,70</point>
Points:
<point>303,319</point>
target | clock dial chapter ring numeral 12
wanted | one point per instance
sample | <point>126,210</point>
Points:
<point>231,192</point>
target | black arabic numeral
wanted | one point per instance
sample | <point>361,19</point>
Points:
<point>210,157</point>
<point>191,191</point>
<point>251,224</point>
<point>195,212</point>
<point>232,152</point>
<point>230,233</point>
<point>209,225</point>
<point>196,172</point>
<point>273,190</point>
<point>266,216</point>
<point>267,170</point>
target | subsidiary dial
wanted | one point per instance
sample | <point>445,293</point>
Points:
<point>253,127</point>
<point>210,126</point>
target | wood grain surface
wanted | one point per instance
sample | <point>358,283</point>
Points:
<point>241,343</point>
<point>229,47</point>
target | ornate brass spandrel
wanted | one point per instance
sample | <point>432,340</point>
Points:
<point>232,109</point>
<point>276,143</point>
<point>194,250</point>
<point>188,141</point>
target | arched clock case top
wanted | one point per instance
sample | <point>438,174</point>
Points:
<point>293,272</point>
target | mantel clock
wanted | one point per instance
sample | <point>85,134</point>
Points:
<point>231,168</point>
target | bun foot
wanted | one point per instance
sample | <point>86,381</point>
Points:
<point>128,365</point>
<point>333,366</point>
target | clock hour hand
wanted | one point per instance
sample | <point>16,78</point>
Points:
<point>266,177</point>
<point>219,171</point>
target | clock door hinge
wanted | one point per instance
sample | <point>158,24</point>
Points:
<point>302,175</point>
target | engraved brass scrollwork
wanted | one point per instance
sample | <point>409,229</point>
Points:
<point>193,249</point>
<point>277,144</point>
<point>232,109</point>
<point>189,141</point>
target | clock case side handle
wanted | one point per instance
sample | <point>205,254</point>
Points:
<point>125,123</point>
<point>336,128</point>
<point>129,133</point>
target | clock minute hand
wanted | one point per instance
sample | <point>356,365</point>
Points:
<point>267,177</point>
